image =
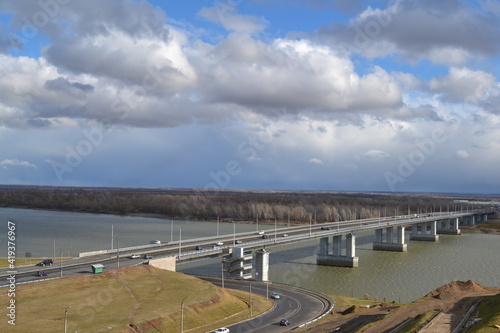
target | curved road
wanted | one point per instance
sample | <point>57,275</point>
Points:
<point>297,305</point>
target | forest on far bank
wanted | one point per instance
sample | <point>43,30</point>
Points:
<point>229,205</point>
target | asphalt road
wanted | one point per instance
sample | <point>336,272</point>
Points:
<point>297,305</point>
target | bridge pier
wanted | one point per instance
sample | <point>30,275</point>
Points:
<point>449,228</point>
<point>336,258</point>
<point>427,235</point>
<point>262,265</point>
<point>390,244</point>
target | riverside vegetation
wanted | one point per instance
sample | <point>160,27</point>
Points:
<point>229,205</point>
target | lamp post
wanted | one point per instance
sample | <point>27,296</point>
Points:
<point>217,225</point>
<point>234,234</point>
<point>182,314</point>
<point>180,241</point>
<point>60,258</point>
<point>171,231</point>
<point>66,319</point>
<point>250,300</point>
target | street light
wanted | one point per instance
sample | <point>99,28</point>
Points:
<point>250,300</point>
<point>182,314</point>
<point>66,319</point>
<point>234,234</point>
<point>60,251</point>
<point>180,241</point>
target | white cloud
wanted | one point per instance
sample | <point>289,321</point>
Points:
<point>462,154</point>
<point>16,162</point>
<point>376,155</point>
<point>315,160</point>
<point>463,85</point>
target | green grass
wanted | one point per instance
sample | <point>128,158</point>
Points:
<point>419,321</point>
<point>489,311</point>
<point>141,296</point>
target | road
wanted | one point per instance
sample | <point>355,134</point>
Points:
<point>297,305</point>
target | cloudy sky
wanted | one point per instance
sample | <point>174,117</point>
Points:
<point>398,95</point>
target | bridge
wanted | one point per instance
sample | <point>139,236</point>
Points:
<point>337,240</point>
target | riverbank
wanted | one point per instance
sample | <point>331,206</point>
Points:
<point>446,305</point>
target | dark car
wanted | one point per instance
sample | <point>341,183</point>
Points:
<point>285,322</point>
<point>46,262</point>
<point>41,273</point>
<point>199,248</point>
<point>148,256</point>
<point>325,228</point>
<point>265,237</point>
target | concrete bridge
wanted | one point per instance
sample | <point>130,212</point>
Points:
<point>337,240</point>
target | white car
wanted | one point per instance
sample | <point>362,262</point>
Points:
<point>259,232</point>
<point>222,330</point>
<point>275,295</point>
<point>134,256</point>
<point>219,243</point>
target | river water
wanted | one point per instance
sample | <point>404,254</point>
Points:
<point>394,276</point>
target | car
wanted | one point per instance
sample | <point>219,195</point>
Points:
<point>198,248</point>
<point>222,330</point>
<point>264,237</point>
<point>238,241</point>
<point>148,256</point>
<point>275,295</point>
<point>46,262</point>
<point>325,228</point>
<point>259,232</point>
<point>219,243</point>
<point>285,322</point>
<point>285,235</point>
<point>134,256</point>
<point>41,273</point>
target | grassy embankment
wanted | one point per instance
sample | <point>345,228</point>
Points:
<point>121,300</point>
<point>489,312</point>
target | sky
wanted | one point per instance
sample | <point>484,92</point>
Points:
<point>340,95</point>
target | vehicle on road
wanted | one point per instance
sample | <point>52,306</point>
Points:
<point>285,235</point>
<point>259,232</point>
<point>46,262</point>
<point>198,248</point>
<point>41,273</point>
<point>238,241</point>
<point>134,256</point>
<point>219,243</point>
<point>148,256</point>
<point>275,295</point>
<point>325,228</point>
<point>285,322</point>
<point>222,330</point>
<point>265,237</point>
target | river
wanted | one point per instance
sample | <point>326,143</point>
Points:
<point>392,276</point>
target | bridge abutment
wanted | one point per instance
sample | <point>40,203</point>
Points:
<point>425,234</point>
<point>336,258</point>
<point>390,244</point>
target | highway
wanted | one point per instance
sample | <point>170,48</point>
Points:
<point>298,305</point>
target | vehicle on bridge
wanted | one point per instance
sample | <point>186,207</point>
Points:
<point>198,248</point>
<point>219,244</point>
<point>134,256</point>
<point>275,296</point>
<point>46,262</point>
<point>41,273</point>
<point>259,232</point>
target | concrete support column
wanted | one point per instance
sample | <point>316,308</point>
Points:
<point>400,235</point>
<point>337,245</point>
<point>485,217</point>
<point>414,229</point>
<point>390,237</point>
<point>450,228</point>
<point>350,246</point>
<point>425,235</point>
<point>389,244</point>
<point>324,245</point>
<point>336,258</point>
<point>447,224</point>
<point>262,265</point>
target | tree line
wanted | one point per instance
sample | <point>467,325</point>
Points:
<point>284,206</point>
